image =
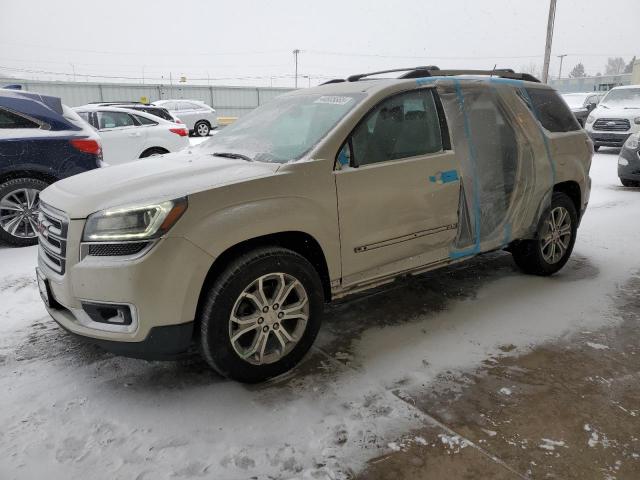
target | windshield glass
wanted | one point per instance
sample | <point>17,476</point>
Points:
<point>284,129</point>
<point>624,97</point>
<point>575,100</point>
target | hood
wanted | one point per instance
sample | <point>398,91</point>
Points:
<point>616,112</point>
<point>151,179</point>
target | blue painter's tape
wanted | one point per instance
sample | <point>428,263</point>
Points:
<point>433,178</point>
<point>342,157</point>
<point>475,249</point>
<point>425,80</point>
<point>449,176</point>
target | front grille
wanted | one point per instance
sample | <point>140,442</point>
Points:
<point>52,237</point>
<point>116,249</point>
<point>612,124</point>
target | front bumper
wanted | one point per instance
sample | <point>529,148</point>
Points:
<point>631,171</point>
<point>608,139</point>
<point>162,287</point>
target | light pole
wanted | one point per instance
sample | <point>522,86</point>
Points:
<point>295,56</point>
<point>561,57</point>
<point>547,47</point>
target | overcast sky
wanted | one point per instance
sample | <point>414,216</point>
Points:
<point>250,42</point>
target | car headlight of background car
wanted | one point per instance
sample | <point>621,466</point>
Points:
<point>136,222</point>
<point>590,118</point>
<point>636,120</point>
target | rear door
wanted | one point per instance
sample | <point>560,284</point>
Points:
<point>398,189</point>
<point>123,139</point>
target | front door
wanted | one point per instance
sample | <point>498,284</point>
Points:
<point>398,189</point>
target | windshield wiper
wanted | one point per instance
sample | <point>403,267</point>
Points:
<point>237,156</point>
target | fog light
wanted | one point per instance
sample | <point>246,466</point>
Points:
<point>108,313</point>
<point>623,161</point>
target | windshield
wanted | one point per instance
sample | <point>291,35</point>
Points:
<point>623,97</point>
<point>284,129</point>
<point>575,100</point>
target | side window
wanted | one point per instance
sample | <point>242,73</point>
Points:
<point>169,105</point>
<point>185,106</point>
<point>115,120</point>
<point>84,116</point>
<point>402,126</point>
<point>145,121</point>
<point>12,120</point>
<point>552,112</point>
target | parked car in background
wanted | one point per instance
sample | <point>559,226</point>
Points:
<point>142,107</point>
<point>581,104</point>
<point>237,243</point>
<point>41,141</point>
<point>629,162</point>
<point>129,134</point>
<point>615,118</point>
<point>199,117</point>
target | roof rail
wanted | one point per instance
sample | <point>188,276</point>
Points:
<point>433,71</point>
<point>335,80</point>
<point>498,72</point>
<point>411,70</point>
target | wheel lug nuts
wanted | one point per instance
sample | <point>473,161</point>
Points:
<point>275,306</point>
<point>260,320</point>
<point>276,326</point>
<point>265,329</point>
<point>280,315</point>
<point>265,309</point>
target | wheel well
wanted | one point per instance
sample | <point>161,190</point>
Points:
<point>153,149</point>
<point>203,121</point>
<point>572,190</point>
<point>300,242</point>
<point>28,174</point>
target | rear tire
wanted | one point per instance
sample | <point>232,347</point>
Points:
<point>596,148</point>
<point>19,200</point>
<point>555,236</point>
<point>261,315</point>
<point>201,129</point>
<point>153,151</point>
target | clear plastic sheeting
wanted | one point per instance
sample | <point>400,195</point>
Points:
<point>505,168</point>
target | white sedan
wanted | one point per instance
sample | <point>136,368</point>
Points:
<point>128,135</point>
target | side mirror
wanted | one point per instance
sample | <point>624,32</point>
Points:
<point>591,106</point>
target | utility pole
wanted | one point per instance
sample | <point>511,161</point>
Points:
<point>561,57</point>
<point>73,67</point>
<point>295,56</point>
<point>547,47</point>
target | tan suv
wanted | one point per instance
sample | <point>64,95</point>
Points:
<point>236,244</point>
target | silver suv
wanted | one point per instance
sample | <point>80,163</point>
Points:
<point>237,243</point>
<point>199,117</point>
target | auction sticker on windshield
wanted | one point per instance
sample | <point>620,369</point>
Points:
<point>333,100</point>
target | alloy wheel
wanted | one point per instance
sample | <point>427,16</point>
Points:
<point>269,318</point>
<point>203,129</point>
<point>556,235</point>
<point>19,212</point>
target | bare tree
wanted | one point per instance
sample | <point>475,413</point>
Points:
<point>629,67</point>
<point>577,71</point>
<point>532,69</point>
<point>615,66</point>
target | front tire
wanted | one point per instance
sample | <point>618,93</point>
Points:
<point>201,129</point>
<point>556,234</point>
<point>596,148</point>
<point>19,201</point>
<point>261,315</point>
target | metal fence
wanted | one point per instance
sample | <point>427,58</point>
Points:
<point>589,84</point>
<point>228,101</point>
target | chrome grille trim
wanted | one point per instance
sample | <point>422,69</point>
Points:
<point>612,125</point>
<point>52,232</point>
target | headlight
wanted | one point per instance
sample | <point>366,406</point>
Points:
<point>623,161</point>
<point>636,120</point>
<point>136,222</point>
<point>590,118</point>
<point>632,141</point>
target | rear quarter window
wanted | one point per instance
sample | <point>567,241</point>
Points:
<point>12,120</point>
<point>552,112</point>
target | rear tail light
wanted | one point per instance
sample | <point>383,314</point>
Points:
<point>87,145</point>
<point>179,131</point>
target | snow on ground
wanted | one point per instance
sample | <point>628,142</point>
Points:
<point>71,411</point>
